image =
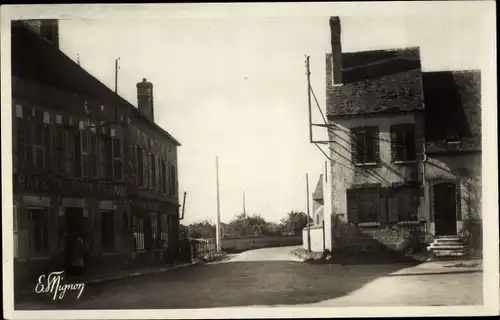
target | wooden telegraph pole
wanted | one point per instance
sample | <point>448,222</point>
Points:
<point>217,225</point>
<point>308,215</point>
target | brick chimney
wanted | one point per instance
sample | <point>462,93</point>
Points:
<point>145,98</point>
<point>47,29</point>
<point>335,32</point>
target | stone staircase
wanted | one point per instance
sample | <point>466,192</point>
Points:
<point>447,247</point>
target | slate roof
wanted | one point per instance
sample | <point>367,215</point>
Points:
<point>387,94</point>
<point>39,60</point>
<point>363,65</point>
<point>452,104</point>
<point>318,192</point>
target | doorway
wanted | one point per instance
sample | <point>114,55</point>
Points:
<point>445,205</point>
<point>75,227</point>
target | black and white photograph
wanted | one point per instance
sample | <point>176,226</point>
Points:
<point>249,160</point>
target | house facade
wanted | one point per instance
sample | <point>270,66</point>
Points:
<point>86,163</point>
<point>389,148</point>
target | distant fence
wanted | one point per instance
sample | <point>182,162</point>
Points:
<point>203,249</point>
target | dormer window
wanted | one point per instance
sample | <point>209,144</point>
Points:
<point>452,137</point>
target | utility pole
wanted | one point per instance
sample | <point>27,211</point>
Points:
<point>244,206</point>
<point>308,215</point>
<point>217,225</point>
<point>117,67</point>
<point>308,72</point>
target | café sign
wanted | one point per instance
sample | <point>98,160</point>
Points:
<point>67,186</point>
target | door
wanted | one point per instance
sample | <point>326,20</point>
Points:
<point>445,208</point>
<point>75,224</point>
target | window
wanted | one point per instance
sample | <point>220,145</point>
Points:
<point>34,143</point>
<point>70,148</point>
<point>173,183</point>
<point>363,205</point>
<point>157,175</point>
<point>84,153</point>
<point>60,149</point>
<point>145,173</point>
<point>138,229</point>
<point>164,230</point>
<point>152,171</point>
<point>155,236</point>
<point>47,136</point>
<point>117,159</point>
<point>108,230</point>
<point>365,145</point>
<point>93,155</point>
<point>163,177</point>
<point>104,158</point>
<point>140,166</point>
<point>452,136</point>
<point>403,204</point>
<point>33,232</point>
<point>403,142</point>
<point>21,144</point>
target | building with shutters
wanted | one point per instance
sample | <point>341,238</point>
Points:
<point>86,163</point>
<point>400,141</point>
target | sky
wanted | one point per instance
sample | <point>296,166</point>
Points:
<point>236,88</point>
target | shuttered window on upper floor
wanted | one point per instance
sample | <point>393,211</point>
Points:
<point>365,145</point>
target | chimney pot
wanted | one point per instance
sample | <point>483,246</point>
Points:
<point>335,33</point>
<point>145,98</point>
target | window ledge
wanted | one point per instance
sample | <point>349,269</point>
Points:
<point>405,161</point>
<point>408,222</point>
<point>368,224</point>
<point>367,164</point>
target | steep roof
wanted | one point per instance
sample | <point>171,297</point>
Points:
<point>39,60</point>
<point>452,106</point>
<point>364,65</point>
<point>318,192</point>
<point>387,94</point>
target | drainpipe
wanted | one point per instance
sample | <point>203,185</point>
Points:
<point>424,185</point>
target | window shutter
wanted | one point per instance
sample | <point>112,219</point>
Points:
<point>392,202</point>
<point>394,138</point>
<point>374,137</point>
<point>355,145</point>
<point>150,171</point>
<point>410,142</point>
<point>382,205</point>
<point>48,150</point>
<point>21,143</point>
<point>352,206</point>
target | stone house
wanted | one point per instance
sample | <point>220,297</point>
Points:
<point>86,163</point>
<point>398,160</point>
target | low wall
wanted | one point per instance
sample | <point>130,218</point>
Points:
<point>230,245</point>
<point>394,237</point>
<point>317,241</point>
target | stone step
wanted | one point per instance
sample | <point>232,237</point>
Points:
<point>447,237</point>
<point>447,240</point>
<point>451,243</point>
<point>446,247</point>
<point>449,253</point>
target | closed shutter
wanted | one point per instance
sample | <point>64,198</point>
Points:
<point>355,146</point>
<point>352,206</point>
<point>374,137</point>
<point>23,232</point>
<point>392,205</point>
<point>47,145</point>
<point>382,218</point>
<point>21,143</point>
<point>394,138</point>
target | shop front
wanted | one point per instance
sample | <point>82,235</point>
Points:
<point>52,214</point>
<point>154,235</point>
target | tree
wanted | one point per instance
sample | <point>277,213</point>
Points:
<point>183,231</point>
<point>202,229</point>
<point>295,222</point>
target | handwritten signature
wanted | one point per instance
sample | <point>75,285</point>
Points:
<point>52,284</point>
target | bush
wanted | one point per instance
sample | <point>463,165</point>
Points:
<point>471,233</point>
